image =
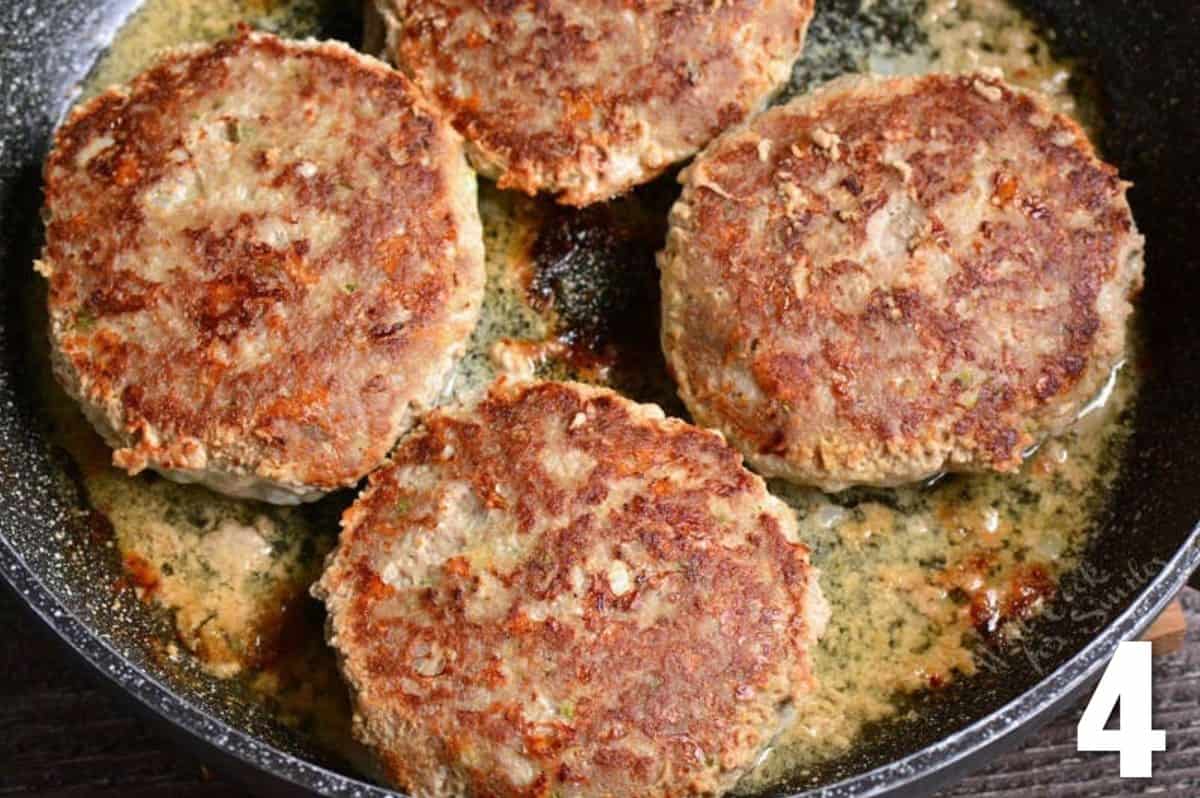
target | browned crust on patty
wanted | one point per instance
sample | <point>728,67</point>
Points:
<point>584,98</point>
<point>894,276</point>
<point>559,592</point>
<point>261,255</point>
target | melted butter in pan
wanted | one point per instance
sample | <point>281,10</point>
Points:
<point>162,24</point>
<point>921,580</point>
<point>924,581</point>
<point>914,36</point>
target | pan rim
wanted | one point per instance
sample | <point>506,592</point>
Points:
<point>926,768</point>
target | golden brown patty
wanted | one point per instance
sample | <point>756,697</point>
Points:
<point>560,592</point>
<point>584,98</point>
<point>261,256</point>
<point>890,277</point>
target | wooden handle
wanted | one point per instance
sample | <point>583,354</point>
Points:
<point>1168,631</point>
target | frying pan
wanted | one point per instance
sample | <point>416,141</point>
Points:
<point>1145,545</point>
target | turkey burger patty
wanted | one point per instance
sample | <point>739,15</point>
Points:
<point>588,98</point>
<point>557,591</point>
<point>895,276</point>
<point>263,256</point>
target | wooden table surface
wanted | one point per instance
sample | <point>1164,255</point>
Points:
<point>60,736</point>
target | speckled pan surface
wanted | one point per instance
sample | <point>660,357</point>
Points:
<point>1142,553</point>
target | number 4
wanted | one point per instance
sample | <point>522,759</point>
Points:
<point>1127,679</point>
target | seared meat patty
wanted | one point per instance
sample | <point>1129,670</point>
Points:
<point>557,591</point>
<point>583,98</point>
<point>262,255</point>
<point>894,276</point>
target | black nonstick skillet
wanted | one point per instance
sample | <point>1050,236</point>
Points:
<point>1147,55</point>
